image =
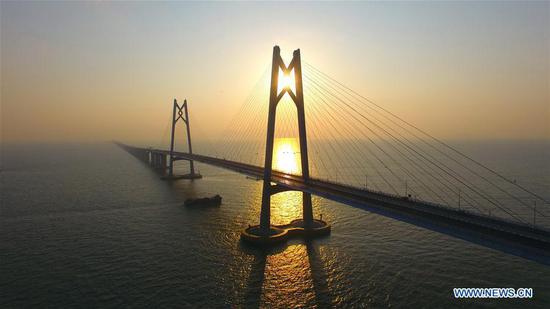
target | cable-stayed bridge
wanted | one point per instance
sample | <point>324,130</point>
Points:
<point>356,152</point>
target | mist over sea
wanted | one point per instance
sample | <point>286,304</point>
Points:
<point>88,225</point>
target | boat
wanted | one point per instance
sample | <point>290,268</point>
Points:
<point>215,200</point>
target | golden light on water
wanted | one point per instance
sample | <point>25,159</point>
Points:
<point>286,157</point>
<point>285,207</point>
<point>287,275</point>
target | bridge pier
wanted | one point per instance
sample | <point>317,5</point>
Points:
<point>154,160</point>
<point>157,160</point>
<point>144,156</point>
<point>163,164</point>
<point>265,233</point>
<point>180,112</point>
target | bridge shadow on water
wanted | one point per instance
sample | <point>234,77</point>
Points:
<point>281,292</point>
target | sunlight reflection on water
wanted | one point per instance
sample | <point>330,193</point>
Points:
<point>286,155</point>
<point>90,226</point>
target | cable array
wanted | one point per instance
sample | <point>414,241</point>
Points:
<point>356,142</point>
<point>406,160</point>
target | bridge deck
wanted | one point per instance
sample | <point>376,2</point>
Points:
<point>510,237</point>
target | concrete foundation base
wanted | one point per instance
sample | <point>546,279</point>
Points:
<point>185,176</point>
<point>281,233</point>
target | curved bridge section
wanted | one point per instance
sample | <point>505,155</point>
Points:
<point>509,237</point>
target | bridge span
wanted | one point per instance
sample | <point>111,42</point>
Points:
<point>510,237</point>
<point>398,155</point>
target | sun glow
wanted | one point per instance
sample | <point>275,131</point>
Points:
<point>286,80</point>
<point>287,156</point>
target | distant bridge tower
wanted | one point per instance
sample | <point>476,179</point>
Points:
<point>265,232</point>
<point>180,112</point>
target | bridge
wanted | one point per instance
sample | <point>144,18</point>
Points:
<point>503,227</point>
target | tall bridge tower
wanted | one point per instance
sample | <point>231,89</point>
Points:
<point>180,112</point>
<point>307,226</point>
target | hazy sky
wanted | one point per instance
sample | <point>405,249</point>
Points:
<point>92,71</point>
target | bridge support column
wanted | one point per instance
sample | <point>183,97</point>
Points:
<point>158,160</point>
<point>180,112</point>
<point>155,159</point>
<point>163,164</point>
<point>265,233</point>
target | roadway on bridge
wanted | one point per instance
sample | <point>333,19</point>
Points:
<point>509,237</point>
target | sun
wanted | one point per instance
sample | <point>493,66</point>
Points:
<point>287,155</point>
<point>286,81</point>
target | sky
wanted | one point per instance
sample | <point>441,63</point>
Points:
<point>96,71</point>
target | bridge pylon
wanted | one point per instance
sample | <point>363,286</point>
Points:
<point>180,112</point>
<point>265,233</point>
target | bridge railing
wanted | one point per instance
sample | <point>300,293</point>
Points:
<point>385,196</point>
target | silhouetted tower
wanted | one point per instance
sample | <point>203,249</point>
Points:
<point>181,112</point>
<point>274,98</point>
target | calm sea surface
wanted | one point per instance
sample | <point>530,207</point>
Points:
<point>91,226</point>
